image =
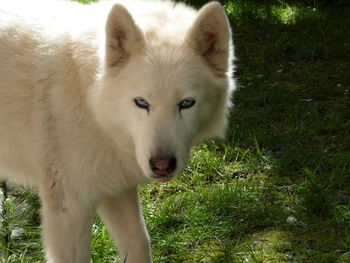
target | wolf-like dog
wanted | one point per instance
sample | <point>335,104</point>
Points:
<point>96,99</point>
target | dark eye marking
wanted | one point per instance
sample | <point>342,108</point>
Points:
<point>141,103</point>
<point>186,103</point>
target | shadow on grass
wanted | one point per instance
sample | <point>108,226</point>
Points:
<point>293,71</point>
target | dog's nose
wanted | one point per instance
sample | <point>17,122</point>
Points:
<point>163,165</point>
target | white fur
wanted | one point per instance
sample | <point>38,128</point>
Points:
<point>68,122</point>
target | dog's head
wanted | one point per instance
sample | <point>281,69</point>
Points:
<point>166,93</point>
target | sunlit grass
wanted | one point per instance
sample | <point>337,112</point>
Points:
<point>286,14</point>
<point>277,11</point>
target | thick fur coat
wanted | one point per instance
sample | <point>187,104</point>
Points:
<point>99,98</point>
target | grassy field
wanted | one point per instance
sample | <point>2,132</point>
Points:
<point>278,189</point>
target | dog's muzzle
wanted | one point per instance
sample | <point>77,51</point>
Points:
<point>162,167</point>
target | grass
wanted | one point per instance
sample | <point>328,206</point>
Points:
<point>277,190</point>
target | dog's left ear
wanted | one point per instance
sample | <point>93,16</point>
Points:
<point>123,37</point>
<point>210,35</point>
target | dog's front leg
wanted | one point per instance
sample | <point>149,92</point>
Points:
<point>125,222</point>
<point>67,224</point>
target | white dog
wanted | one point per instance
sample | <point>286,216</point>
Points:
<point>97,99</point>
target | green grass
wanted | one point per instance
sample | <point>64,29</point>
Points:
<point>277,190</point>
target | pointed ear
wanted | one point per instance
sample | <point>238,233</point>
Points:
<point>210,37</point>
<point>123,37</point>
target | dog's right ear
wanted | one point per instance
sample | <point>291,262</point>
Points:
<point>123,37</point>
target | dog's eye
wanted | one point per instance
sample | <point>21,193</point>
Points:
<point>186,103</point>
<point>141,103</point>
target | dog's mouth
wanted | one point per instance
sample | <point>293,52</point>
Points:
<point>162,178</point>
